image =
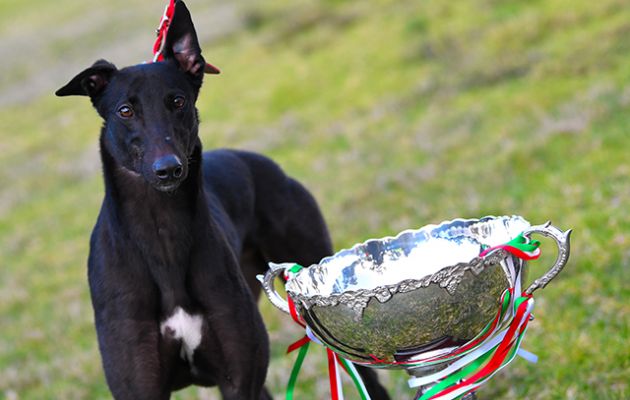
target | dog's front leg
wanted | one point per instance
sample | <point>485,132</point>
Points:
<point>131,358</point>
<point>235,343</point>
<point>243,347</point>
<point>245,354</point>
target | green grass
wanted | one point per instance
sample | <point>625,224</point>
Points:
<point>394,113</point>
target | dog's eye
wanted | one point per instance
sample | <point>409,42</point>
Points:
<point>179,101</point>
<point>125,111</point>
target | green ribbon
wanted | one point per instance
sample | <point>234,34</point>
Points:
<point>524,244</point>
<point>456,377</point>
<point>296,370</point>
<point>356,379</point>
<point>295,268</point>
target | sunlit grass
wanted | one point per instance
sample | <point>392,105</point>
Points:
<point>395,114</point>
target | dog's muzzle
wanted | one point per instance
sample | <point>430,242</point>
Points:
<point>169,172</point>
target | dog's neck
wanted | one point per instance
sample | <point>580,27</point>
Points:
<point>147,215</point>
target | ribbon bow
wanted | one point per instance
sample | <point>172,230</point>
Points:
<point>160,41</point>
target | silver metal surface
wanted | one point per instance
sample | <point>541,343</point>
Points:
<point>425,291</point>
<point>267,281</point>
<point>563,240</point>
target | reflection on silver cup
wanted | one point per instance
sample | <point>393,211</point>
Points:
<point>420,295</point>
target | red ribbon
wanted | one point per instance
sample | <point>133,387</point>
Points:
<point>297,344</point>
<point>296,317</point>
<point>332,357</point>
<point>511,249</point>
<point>301,342</point>
<point>332,374</point>
<point>161,31</point>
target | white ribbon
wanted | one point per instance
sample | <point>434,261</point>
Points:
<point>353,372</point>
<point>312,336</point>
<point>526,355</point>
<point>336,367</point>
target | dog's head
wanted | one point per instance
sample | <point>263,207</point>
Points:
<point>151,123</point>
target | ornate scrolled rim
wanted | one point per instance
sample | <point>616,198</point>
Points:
<point>447,278</point>
<point>366,294</point>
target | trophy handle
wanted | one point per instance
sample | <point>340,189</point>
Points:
<point>268,280</point>
<point>562,240</point>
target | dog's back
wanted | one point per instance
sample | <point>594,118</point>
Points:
<point>267,215</point>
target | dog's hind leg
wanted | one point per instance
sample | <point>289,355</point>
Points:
<point>291,228</point>
<point>303,238</point>
<point>252,263</point>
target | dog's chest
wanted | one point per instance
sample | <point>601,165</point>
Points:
<point>185,328</point>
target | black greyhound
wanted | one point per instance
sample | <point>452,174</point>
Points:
<point>172,307</point>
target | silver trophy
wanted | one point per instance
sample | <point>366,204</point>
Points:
<point>421,295</point>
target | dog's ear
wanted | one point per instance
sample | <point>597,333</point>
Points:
<point>91,82</point>
<point>182,45</point>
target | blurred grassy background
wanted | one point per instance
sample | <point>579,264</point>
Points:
<point>394,113</point>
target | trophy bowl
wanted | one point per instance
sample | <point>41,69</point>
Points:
<point>423,293</point>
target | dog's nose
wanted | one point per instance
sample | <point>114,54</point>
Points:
<point>168,167</point>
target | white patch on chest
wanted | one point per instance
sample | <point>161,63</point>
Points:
<point>185,327</point>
